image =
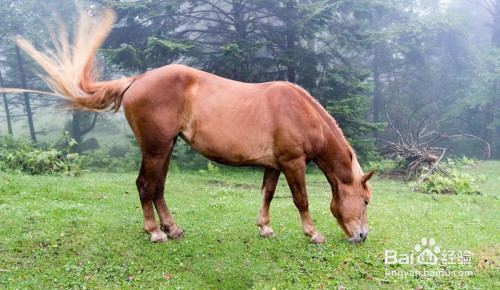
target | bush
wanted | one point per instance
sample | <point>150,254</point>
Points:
<point>384,166</point>
<point>450,180</point>
<point>185,158</point>
<point>115,158</point>
<point>127,157</point>
<point>26,156</point>
<point>211,169</point>
<point>452,183</point>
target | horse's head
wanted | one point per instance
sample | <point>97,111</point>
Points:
<point>349,205</point>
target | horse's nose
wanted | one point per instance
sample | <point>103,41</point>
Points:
<point>361,237</point>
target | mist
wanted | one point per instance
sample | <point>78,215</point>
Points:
<point>383,69</point>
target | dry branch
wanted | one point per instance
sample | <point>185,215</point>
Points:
<point>417,148</point>
<point>5,177</point>
<point>431,170</point>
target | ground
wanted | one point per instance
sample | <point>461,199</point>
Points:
<point>86,231</point>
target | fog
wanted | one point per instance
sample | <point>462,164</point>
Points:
<point>422,72</point>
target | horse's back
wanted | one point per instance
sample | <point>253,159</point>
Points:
<point>228,121</point>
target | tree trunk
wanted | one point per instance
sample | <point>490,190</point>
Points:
<point>26,96</point>
<point>290,45</point>
<point>77,132</point>
<point>6,104</point>
<point>495,38</point>
<point>241,36</point>
<point>376,79</point>
<point>75,127</point>
<point>490,108</point>
<point>291,31</point>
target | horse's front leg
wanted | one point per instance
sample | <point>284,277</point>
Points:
<point>295,173</point>
<point>271,177</point>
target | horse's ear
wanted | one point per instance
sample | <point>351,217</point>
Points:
<point>367,176</point>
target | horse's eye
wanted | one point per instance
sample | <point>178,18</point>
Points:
<point>366,202</point>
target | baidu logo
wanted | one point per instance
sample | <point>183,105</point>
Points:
<point>426,252</point>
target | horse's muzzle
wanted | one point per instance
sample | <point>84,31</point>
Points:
<point>361,237</point>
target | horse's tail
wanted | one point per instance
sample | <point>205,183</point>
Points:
<point>70,69</point>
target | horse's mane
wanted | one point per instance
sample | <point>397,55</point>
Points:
<point>332,123</point>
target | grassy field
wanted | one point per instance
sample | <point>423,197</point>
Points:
<point>87,232</point>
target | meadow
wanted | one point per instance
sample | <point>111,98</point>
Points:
<point>86,232</point>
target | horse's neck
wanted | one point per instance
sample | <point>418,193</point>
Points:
<point>337,161</point>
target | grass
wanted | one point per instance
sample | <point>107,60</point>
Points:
<point>87,232</point>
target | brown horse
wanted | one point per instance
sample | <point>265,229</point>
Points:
<point>275,125</point>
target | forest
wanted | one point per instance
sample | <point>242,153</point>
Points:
<point>392,73</point>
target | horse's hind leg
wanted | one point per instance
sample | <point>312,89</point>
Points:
<point>147,183</point>
<point>271,177</point>
<point>151,183</point>
<point>166,220</point>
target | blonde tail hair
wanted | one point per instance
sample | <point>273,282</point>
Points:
<point>71,72</point>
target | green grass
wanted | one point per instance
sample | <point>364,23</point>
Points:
<point>87,231</point>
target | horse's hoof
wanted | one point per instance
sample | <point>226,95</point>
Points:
<point>267,232</point>
<point>176,234</point>
<point>318,239</point>
<point>159,237</point>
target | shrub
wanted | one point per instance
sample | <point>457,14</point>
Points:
<point>211,169</point>
<point>186,158</point>
<point>115,158</point>
<point>26,156</point>
<point>383,166</point>
<point>453,182</point>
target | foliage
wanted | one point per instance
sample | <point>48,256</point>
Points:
<point>211,169</point>
<point>185,158</point>
<point>25,156</point>
<point>157,52</point>
<point>384,166</point>
<point>127,158</point>
<point>162,52</point>
<point>452,179</point>
<point>476,106</point>
<point>145,39</point>
<point>452,182</point>
<point>114,158</point>
<point>345,94</point>
<point>102,159</point>
<point>463,161</point>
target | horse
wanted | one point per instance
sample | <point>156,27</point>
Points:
<point>275,125</point>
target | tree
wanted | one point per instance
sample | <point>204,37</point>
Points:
<point>6,106</point>
<point>142,38</point>
<point>476,108</point>
<point>19,18</point>
<point>27,103</point>
<point>229,38</point>
<point>308,42</point>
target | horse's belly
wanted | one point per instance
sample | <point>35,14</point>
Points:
<point>231,147</point>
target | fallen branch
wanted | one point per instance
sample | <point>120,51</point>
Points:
<point>416,145</point>
<point>5,177</point>
<point>431,170</point>
<point>488,154</point>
